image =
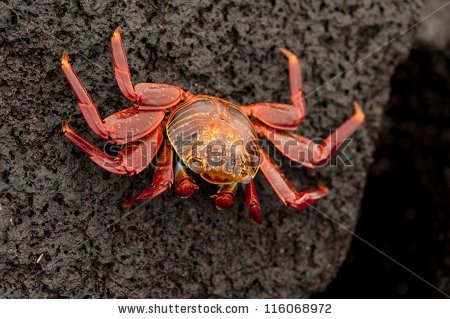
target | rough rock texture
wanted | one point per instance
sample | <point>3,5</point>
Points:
<point>55,202</point>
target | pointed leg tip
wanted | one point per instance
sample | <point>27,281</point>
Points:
<point>321,191</point>
<point>65,126</point>
<point>290,55</point>
<point>254,215</point>
<point>126,205</point>
<point>284,51</point>
<point>254,222</point>
<point>308,198</point>
<point>359,113</point>
<point>117,32</point>
<point>65,58</point>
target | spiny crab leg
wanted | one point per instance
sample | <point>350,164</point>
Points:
<point>162,178</point>
<point>121,127</point>
<point>285,190</point>
<point>132,159</point>
<point>121,68</point>
<point>295,84</point>
<point>87,106</point>
<point>96,155</point>
<point>224,198</point>
<point>252,203</point>
<point>306,152</point>
<point>278,115</point>
<point>338,136</point>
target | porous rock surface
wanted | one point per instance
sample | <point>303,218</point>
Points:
<point>61,209</point>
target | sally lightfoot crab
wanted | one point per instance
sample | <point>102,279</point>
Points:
<point>212,137</point>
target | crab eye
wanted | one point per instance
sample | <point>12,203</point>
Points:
<point>195,164</point>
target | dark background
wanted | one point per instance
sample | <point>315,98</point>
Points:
<point>406,205</point>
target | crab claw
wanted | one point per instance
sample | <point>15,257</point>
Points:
<point>224,198</point>
<point>223,201</point>
<point>184,184</point>
<point>185,188</point>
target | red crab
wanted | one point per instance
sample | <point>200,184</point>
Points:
<point>163,118</point>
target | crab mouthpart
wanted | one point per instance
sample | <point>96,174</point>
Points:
<point>218,177</point>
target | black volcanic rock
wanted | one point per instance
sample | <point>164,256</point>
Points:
<point>58,204</point>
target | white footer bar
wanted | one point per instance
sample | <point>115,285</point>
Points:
<point>223,308</point>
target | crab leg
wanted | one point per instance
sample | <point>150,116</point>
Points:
<point>276,115</point>
<point>162,178</point>
<point>121,69</point>
<point>304,151</point>
<point>295,84</point>
<point>184,184</point>
<point>132,159</point>
<point>87,106</point>
<point>285,190</point>
<point>224,198</point>
<point>121,126</point>
<point>283,116</point>
<point>252,203</point>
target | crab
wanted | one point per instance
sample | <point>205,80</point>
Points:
<point>212,137</point>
